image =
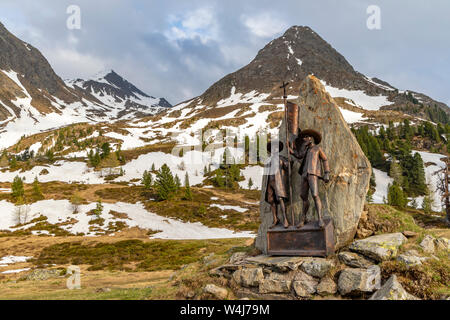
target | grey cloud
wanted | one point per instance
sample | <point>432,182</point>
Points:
<point>410,51</point>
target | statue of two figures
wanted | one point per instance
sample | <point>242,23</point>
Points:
<point>303,147</point>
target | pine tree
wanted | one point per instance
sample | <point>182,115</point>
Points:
<point>395,172</point>
<point>187,188</point>
<point>219,179</point>
<point>153,167</point>
<point>17,188</point>
<point>426,204</point>
<point>98,209</point>
<point>147,180</point>
<point>177,182</point>
<point>396,197</point>
<point>417,181</point>
<point>37,194</point>
<point>106,150</point>
<point>250,184</point>
<point>165,183</point>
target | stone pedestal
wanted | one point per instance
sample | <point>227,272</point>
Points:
<point>309,241</point>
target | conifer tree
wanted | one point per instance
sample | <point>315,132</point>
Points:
<point>177,182</point>
<point>37,194</point>
<point>187,188</point>
<point>395,172</point>
<point>426,204</point>
<point>396,197</point>
<point>99,208</point>
<point>17,188</point>
<point>147,180</point>
<point>250,184</point>
<point>417,181</point>
<point>165,183</point>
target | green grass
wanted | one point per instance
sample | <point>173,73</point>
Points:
<point>133,255</point>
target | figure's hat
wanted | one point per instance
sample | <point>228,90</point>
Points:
<point>309,132</point>
<point>280,146</point>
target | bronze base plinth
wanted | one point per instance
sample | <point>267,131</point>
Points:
<point>309,241</point>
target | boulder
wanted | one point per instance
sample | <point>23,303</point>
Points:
<point>343,198</point>
<point>282,264</point>
<point>357,281</point>
<point>442,244</point>
<point>411,258</point>
<point>304,285</point>
<point>392,290</point>
<point>410,234</point>
<point>276,283</point>
<point>326,287</point>
<point>237,257</point>
<point>380,248</point>
<point>218,292</point>
<point>427,244</point>
<point>248,277</point>
<point>317,267</point>
<point>354,260</point>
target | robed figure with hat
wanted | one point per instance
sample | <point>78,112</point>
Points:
<point>277,193</point>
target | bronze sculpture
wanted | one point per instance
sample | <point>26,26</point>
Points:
<point>311,156</point>
<point>277,183</point>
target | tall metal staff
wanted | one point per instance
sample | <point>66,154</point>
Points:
<point>285,84</point>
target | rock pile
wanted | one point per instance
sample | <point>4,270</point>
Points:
<point>351,273</point>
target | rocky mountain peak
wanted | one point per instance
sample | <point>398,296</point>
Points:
<point>298,53</point>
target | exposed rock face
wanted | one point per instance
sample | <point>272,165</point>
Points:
<point>343,198</point>
<point>380,248</point>
<point>392,290</point>
<point>357,281</point>
<point>354,260</point>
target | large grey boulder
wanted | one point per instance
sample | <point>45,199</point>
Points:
<point>326,287</point>
<point>392,290</point>
<point>276,283</point>
<point>317,267</point>
<point>248,277</point>
<point>356,281</point>
<point>427,244</point>
<point>218,292</point>
<point>343,198</point>
<point>304,285</point>
<point>411,258</point>
<point>354,260</point>
<point>442,244</point>
<point>380,248</point>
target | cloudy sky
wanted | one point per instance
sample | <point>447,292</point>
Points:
<point>177,49</point>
